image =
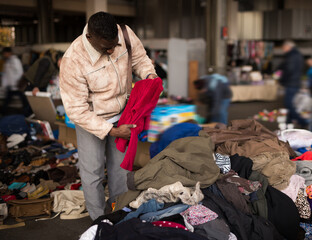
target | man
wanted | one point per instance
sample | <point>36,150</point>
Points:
<point>42,71</point>
<point>291,74</point>
<point>215,91</point>
<point>93,84</point>
<point>12,73</point>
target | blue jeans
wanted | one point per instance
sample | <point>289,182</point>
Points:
<point>290,93</point>
<point>222,115</point>
<point>155,216</point>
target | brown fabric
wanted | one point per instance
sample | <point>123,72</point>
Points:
<point>253,148</point>
<point>63,175</point>
<point>303,205</point>
<point>233,195</point>
<point>30,208</point>
<point>276,167</point>
<point>128,46</point>
<point>240,131</point>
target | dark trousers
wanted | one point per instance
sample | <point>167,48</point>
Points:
<point>290,93</point>
<point>9,95</point>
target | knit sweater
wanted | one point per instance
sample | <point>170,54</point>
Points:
<point>142,101</point>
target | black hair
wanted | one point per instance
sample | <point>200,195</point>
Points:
<point>103,25</point>
<point>7,49</point>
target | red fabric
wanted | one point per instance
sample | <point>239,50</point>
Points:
<point>75,186</point>
<point>168,224</point>
<point>306,156</point>
<point>8,197</point>
<point>142,101</point>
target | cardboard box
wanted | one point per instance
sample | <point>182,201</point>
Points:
<point>66,134</point>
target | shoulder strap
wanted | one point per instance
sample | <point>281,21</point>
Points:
<point>128,46</point>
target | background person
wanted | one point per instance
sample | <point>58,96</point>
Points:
<point>292,68</point>
<point>12,73</point>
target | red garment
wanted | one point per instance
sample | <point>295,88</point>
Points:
<point>142,101</point>
<point>8,197</point>
<point>305,156</point>
<point>168,224</point>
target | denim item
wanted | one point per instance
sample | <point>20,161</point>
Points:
<point>290,93</point>
<point>155,216</point>
<point>150,206</point>
<point>222,115</point>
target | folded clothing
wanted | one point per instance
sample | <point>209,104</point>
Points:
<point>199,214</point>
<point>170,193</point>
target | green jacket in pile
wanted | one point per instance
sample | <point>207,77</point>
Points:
<point>188,160</point>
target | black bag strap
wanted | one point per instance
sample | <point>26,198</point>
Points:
<point>128,46</point>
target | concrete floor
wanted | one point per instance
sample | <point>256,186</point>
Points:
<point>72,229</point>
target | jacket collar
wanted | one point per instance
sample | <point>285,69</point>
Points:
<point>93,54</point>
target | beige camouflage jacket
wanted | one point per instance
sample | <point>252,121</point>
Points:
<point>93,86</point>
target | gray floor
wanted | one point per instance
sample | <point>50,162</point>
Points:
<point>72,229</point>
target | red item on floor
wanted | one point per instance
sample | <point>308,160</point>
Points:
<point>8,197</point>
<point>168,224</point>
<point>75,186</point>
<point>142,101</point>
<point>305,156</point>
<point>60,187</point>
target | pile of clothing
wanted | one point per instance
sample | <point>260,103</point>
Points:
<point>227,182</point>
<point>31,168</point>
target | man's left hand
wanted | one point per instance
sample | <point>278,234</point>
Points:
<point>152,76</point>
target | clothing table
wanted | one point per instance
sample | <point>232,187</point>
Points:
<point>245,93</point>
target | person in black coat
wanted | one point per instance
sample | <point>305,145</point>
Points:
<point>292,67</point>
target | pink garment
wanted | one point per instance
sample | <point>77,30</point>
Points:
<point>168,224</point>
<point>296,182</point>
<point>198,214</point>
<point>142,101</point>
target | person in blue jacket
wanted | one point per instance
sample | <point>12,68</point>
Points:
<point>215,91</point>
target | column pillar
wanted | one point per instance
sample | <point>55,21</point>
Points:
<point>45,21</point>
<point>216,18</point>
<point>93,6</point>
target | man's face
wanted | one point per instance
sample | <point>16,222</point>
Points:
<point>286,48</point>
<point>6,55</point>
<point>102,45</point>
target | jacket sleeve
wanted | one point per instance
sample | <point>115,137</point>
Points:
<point>141,63</point>
<point>74,92</point>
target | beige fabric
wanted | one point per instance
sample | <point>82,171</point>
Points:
<point>252,93</point>
<point>93,86</point>
<point>71,202</point>
<point>276,166</point>
<point>170,193</point>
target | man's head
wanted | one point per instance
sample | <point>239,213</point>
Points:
<point>309,62</point>
<point>103,32</point>
<point>288,45</point>
<point>7,52</point>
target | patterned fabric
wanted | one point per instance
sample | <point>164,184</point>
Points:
<point>199,214</point>
<point>303,205</point>
<point>168,224</point>
<point>223,162</point>
<point>308,229</point>
<point>244,186</point>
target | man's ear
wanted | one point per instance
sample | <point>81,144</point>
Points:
<point>88,36</point>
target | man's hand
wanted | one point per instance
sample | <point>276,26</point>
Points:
<point>35,91</point>
<point>123,131</point>
<point>152,76</point>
